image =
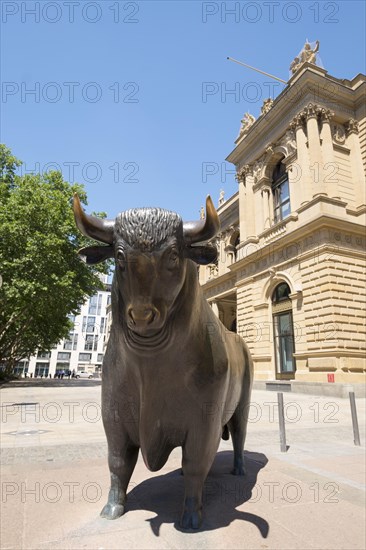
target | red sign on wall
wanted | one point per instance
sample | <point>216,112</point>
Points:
<point>330,377</point>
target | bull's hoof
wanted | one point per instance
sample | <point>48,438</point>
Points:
<point>191,520</point>
<point>112,511</point>
<point>238,471</point>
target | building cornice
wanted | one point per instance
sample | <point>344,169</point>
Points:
<point>311,85</point>
<point>325,221</point>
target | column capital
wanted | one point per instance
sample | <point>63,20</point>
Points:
<point>244,172</point>
<point>311,111</point>
<point>325,115</point>
<point>298,121</point>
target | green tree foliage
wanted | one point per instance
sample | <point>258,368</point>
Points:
<point>43,278</point>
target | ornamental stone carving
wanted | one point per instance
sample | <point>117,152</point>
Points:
<point>258,168</point>
<point>289,142</point>
<point>267,104</point>
<point>352,127</point>
<point>339,134</point>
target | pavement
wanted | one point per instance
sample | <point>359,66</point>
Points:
<point>55,481</point>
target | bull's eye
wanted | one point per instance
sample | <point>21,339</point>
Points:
<point>121,260</point>
<point>173,259</point>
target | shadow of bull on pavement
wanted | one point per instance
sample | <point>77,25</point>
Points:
<point>223,493</point>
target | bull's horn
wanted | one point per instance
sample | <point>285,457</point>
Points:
<point>90,226</point>
<point>202,230</point>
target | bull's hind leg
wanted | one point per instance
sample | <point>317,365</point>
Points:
<point>238,428</point>
<point>239,421</point>
<point>121,462</point>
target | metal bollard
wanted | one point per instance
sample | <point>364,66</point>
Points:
<point>356,431</point>
<point>281,418</point>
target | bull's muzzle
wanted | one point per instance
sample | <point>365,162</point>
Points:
<point>143,320</point>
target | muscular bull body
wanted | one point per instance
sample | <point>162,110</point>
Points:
<point>173,376</point>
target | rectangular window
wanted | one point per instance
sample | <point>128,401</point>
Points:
<point>75,345</point>
<point>68,344</point>
<point>63,356</point>
<point>91,342</point>
<point>100,357</point>
<point>41,370</point>
<point>281,201</point>
<point>93,304</point>
<point>102,325</point>
<point>85,356</point>
<point>90,324</point>
<point>43,355</point>
<point>99,309</point>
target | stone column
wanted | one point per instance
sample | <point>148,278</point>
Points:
<point>246,203</point>
<point>301,190</point>
<point>315,167</point>
<point>329,187</point>
<point>358,174</point>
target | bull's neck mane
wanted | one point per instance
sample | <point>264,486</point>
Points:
<point>146,229</point>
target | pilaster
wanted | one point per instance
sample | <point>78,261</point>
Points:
<point>325,116</point>
<point>358,173</point>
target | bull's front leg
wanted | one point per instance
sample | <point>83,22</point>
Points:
<point>198,455</point>
<point>122,455</point>
<point>122,460</point>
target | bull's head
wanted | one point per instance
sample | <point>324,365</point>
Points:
<point>151,247</point>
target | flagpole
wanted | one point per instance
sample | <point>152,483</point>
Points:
<point>258,70</point>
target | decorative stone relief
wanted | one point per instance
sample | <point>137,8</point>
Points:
<point>213,271</point>
<point>339,134</point>
<point>289,142</point>
<point>352,127</point>
<point>257,168</point>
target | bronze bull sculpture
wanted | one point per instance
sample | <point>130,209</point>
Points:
<point>173,376</point>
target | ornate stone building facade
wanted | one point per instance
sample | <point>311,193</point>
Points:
<point>291,276</point>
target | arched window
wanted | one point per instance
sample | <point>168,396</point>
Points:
<point>281,192</point>
<point>283,331</point>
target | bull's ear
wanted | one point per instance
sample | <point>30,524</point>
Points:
<point>96,254</point>
<point>203,255</point>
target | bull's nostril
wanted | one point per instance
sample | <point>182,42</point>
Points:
<point>150,316</point>
<point>130,314</point>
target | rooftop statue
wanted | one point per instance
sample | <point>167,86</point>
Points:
<point>246,122</point>
<point>267,104</point>
<point>307,55</point>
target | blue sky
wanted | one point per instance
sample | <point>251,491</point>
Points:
<point>120,99</point>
